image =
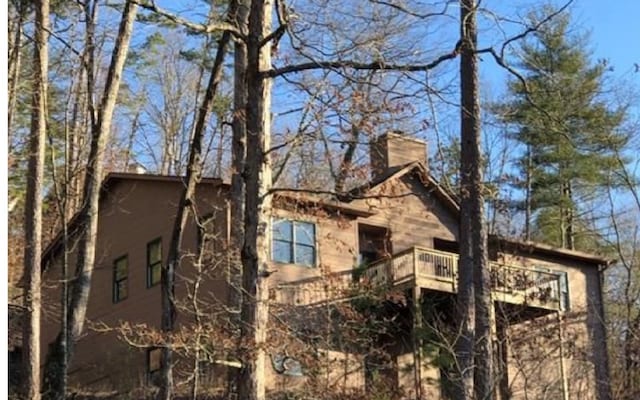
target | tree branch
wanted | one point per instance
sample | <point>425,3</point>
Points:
<point>413,13</point>
<point>376,65</point>
<point>197,27</point>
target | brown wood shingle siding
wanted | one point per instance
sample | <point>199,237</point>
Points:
<point>135,211</point>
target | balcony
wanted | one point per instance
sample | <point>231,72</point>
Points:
<point>428,269</point>
<point>437,270</point>
<point>334,287</point>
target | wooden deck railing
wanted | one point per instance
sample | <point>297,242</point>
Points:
<point>332,287</point>
<point>430,269</point>
<point>438,270</point>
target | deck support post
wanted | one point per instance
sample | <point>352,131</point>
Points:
<point>502,358</point>
<point>418,324</point>
<point>493,334</point>
<point>563,368</point>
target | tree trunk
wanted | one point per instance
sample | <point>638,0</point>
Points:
<point>13,65</point>
<point>473,188</point>
<point>194,171</point>
<point>570,220</point>
<point>88,215</point>
<point>474,346</point>
<point>347,159</point>
<point>33,207</point>
<point>239,150</point>
<point>527,198</point>
<point>463,381</point>
<point>77,127</point>
<point>257,205</point>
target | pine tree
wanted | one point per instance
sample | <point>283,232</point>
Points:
<point>567,128</point>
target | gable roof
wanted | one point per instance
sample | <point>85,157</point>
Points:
<point>112,179</point>
<point>452,202</point>
<point>316,201</point>
<point>545,249</point>
<point>397,172</point>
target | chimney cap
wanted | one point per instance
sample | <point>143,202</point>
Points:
<point>402,135</point>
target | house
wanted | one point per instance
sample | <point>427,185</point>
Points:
<point>384,259</point>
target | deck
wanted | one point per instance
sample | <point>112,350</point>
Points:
<point>437,270</point>
<point>427,269</point>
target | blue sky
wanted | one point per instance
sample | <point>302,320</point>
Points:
<point>615,31</point>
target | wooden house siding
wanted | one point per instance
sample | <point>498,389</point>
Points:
<point>411,212</point>
<point>134,211</point>
<point>132,214</point>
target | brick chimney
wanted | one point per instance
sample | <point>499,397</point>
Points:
<point>395,149</point>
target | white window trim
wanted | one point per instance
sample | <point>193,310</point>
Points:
<point>316,253</point>
<point>565,303</point>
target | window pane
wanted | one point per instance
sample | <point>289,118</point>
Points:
<point>282,251</point>
<point>155,274</point>
<point>305,255</point>
<point>305,233</point>
<point>282,230</point>
<point>121,268</point>
<point>121,288</point>
<point>154,251</point>
<point>564,291</point>
<point>564,285</point>
<point>294,242</point>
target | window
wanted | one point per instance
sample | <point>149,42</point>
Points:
<point>154,262</point>
<point>374,244</point>
<point>294,242</point>
<point>120,279</point>
<point>154,364</point>
<point>564,291</point>
<point>559,285</point>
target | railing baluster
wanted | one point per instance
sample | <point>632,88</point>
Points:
<point>530,285</point>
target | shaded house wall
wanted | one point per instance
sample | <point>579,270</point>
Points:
<point>14,361</point>
<point>133,212</point>
<point>563,351</point>
<point>411,212</point>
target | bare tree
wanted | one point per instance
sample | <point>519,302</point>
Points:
<point>257,175</point>
<point>469,195</point>
<point>237,194</point>
<point>33,205</point>
<point>87,218</point>
<point>17,13</point>
<point>193,175</point>
<point>474,348</point>
<point>171,83</point>
<point>623,318</point>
